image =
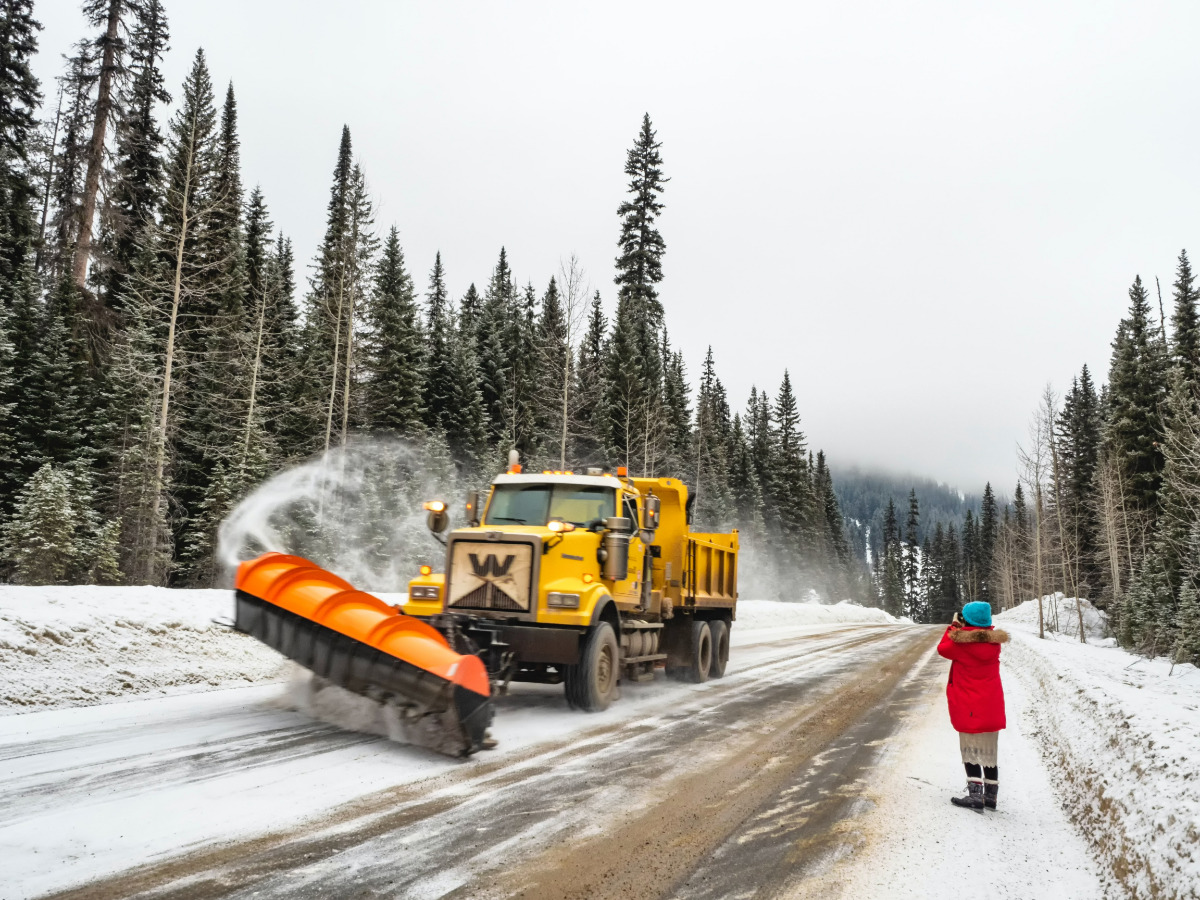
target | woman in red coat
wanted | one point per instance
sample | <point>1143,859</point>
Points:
<point>976,699</point>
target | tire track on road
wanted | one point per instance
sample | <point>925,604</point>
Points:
<point>265,866</point>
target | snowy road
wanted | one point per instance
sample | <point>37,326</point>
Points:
<point>747,786</point>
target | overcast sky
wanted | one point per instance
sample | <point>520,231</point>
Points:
<point>924,210</point>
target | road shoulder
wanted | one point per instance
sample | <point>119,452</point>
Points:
<point>913,843</point>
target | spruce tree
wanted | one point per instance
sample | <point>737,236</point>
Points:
<point>1185,323</point>
<point>20,97</point>
<point>1137,386</point>
<point>639,265</point>
<point>988,525</point>
<point>137,178</point>
<point>714,503</point>
<point>891,569</point>
<point>635,367</point>
<point>589,390</point>
<point>912,564</point>
<point>438,384</point>
<point>790,487</point>
<point>494,333</point>
<point>41,540</point>
<point>394,361</point>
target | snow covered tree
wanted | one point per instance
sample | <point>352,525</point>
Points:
<point>394,363</point>
<point>912,562</point>
<point>41,540</point>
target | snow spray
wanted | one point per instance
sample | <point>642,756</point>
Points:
<point>354,510</point>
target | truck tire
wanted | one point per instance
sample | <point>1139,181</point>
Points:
<point>700,656</point>
<point>720,647</point>
<point>591,684</point>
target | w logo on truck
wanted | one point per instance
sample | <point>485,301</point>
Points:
<point>491,567</point>
<point>487,576</point>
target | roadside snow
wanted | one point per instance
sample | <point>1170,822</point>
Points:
<point>1122,736</point>
<point>763,614</point>
<point>79,646</point>
<point>914,844</point>
<point>1059,615</point>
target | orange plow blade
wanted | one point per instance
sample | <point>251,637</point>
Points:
<point>360,643</point>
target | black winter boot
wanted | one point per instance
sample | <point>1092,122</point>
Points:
<point>989,794</point>
<point>974,798</point>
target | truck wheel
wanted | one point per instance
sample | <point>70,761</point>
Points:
<point>591,684</point>
<point>700,658</point>
<point>720,648</point>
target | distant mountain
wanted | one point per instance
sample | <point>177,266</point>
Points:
<point>863,498</point>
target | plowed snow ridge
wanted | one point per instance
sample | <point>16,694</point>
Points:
<point>83,645</point>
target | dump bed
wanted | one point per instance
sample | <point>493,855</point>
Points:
<point>710,570</point>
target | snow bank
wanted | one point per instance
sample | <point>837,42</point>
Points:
<point>1122,735</point>
<point>1061,616</point>
<point>755,614</point>
<point>76,646</point>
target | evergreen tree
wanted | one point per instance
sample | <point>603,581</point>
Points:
<point>987,542</point>
<point>394,361</point>
<point>589,389</point>
<point>891,569</point>
<point>20,97</point>
<point>1078,434</point>
<point>791,489</point>
<point>138,172</point>
<point>495,325</point>
<point>1185,323</point>
<point>639,265</point>
<point>635,367</point>
<point>438,384</point>
<point>68,165</point>
<point>912,563</point>
<point>40,541</point>
<point>714,504</point>
<point>1137,385</point>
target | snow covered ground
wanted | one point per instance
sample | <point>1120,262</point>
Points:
<point>914,844</point>
<point>78,646</point>
<point>1121,735</point>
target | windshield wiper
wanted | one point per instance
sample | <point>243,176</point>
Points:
<point>507,519</point>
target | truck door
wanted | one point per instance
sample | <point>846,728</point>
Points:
<point>628,593</point>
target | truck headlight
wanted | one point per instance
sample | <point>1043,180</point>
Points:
<point>423,592</point>
<point>567,601</point>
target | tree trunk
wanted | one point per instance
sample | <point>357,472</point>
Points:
<point>91,185</point>
<point>49,183</point>
<point>160,454</point>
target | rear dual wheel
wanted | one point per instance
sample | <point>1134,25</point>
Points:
<point>591,684</point>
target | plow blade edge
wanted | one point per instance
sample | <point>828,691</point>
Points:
<point>356,641</point>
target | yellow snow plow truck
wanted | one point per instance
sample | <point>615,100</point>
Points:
<point>566,579</point>
<point>581,579</point>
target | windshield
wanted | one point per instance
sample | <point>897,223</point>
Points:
<point>537,504</point>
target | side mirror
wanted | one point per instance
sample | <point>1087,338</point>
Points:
<point>473,508</point>
<point>650,512</point>
<point>438,519</point>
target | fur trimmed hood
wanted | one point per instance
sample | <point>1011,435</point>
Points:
<point>978,636</point>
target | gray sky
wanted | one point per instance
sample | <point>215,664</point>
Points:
<point>924,210</point>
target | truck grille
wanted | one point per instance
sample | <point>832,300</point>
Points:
<point>490,576</point>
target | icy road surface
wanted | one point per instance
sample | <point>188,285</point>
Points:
<point>824,749</point>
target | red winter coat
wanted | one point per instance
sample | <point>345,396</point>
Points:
<point>974,692</point>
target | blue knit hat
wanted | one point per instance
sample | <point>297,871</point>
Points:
<point>978,614</point>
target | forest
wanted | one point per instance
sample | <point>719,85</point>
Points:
<point>161,354</point>
<point>1106,506</point>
